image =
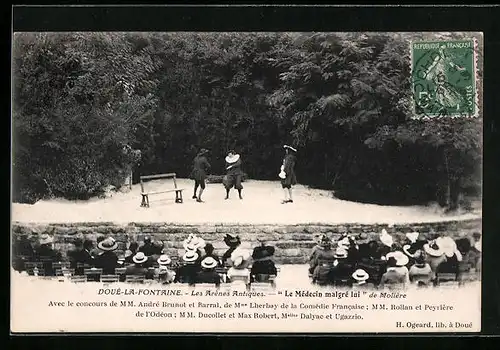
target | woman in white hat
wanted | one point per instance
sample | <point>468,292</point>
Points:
<point>189,268</point>
<point>233,173</point>
<point>287,173</point>
<point>393,278</point>
<point>240,262</point>
<point>434,256</point>
<point>452,254</point>
<point>340,273</point>
<point>401,261</point>
<point>208,273</point>
<point>165,274</point>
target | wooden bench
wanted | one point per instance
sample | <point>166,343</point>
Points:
<point>145,194</point>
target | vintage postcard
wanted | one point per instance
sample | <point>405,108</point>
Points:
<point>270,182</point>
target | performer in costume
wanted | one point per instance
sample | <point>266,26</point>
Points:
<point>233,173</point>
<point>287,173</point>
<point>201,166</point>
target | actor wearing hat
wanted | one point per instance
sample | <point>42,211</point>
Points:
<point>165,274</point>
<point>208,273</point>
<point>263,264</point>
<point>322,262</point>
<point>233,173</point>
<point>287,173</point>
<point>189,268</point>
<point>107,260</point>
<point>46,252</point>
<point>201,166</point>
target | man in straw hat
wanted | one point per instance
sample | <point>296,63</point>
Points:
<point>138,268</point>
<point>208,273</point>
<point>360,278</point>
<point>165,274</point>
<point>107,260</point>
<point>287,173</point>
<point>233,173</point>
<point>189,268</point>
<point>201,166</point>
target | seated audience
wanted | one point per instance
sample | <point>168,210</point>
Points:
<point>96,251</point>
<point>209,252</point>
<point>401,262</point>
<point>147,248</point>
<point>208,273</point>
<point>138,268</point>
<point>130,252</point>
<point>81,255</point>
<point>239,262</point>
<point>341,271</point>
<point>107,260</point>
<point>232,242</point>
<point>434,256</point>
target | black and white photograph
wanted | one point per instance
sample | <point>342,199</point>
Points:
<point>292,175</point>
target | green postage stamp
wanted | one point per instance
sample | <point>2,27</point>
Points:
<point>444,78</point>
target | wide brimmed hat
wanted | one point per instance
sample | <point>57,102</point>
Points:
<point>360,275</point>
<point>239,257</point>
<point>447,245</point>
<point>386,238</point>
<point>340,253</point>
<point>232,159</point>
<point>231,240</point>
<point>46,239</point>
<point>209,263</point>
<point>164,260</point>
<point>412,236</point>
<point>190,256</point>
<point>399,256</point>
<point>290,148</point>
<point>433,249</point>
<point>140,258</point>
<point>108,244</point>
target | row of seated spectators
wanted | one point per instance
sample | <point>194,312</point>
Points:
<point>356,261</point>
<point>197,264</point>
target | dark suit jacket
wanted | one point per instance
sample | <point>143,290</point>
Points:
<point>45,251</point>
<point>80,256</point>
<point>107,261</point>
<point>208,277</point>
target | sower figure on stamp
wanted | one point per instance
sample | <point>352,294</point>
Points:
<point>287,173</point>
<point>201,166</point>
<point>233,173</point>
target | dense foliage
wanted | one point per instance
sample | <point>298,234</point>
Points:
<point>84,102</point>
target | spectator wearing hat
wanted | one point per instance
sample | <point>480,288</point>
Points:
<point>420,272</point>
<point>387,243</point>
<point>139,268</point>
<point>263,264</point>
<point>287,173</point>
<point>239,262</point>
<point>232,242</point>
<point>401,263</point>
<point>147,248</point>
<point>210,252</point>
<point>46,252</point>
<point>107,260</point>
<point>196,244</point>
<point>319,246</point>
<point>434,256</point>
<point>323,261</point>
<point>201,166</point>
<point>165,274</point>
<point>96,251</point>
<point>207,274</point>
<point>130,252</point>
<point>81,255</point>
<point>452,254</point>
<point>393,277</point>
<point>341,271</point>
<point>233,173</point>
<point>360,280</point>
<point>189,268</point>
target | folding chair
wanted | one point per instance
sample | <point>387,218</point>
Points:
<point>446,277</point>
<point>135,278</point>
<point>110,278</point>
<point>93,274</point>
<point>65,272</point>
<point>78,279</point>
<point>59,265</point>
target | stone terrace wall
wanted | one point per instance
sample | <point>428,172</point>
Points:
<point>293,242</point>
